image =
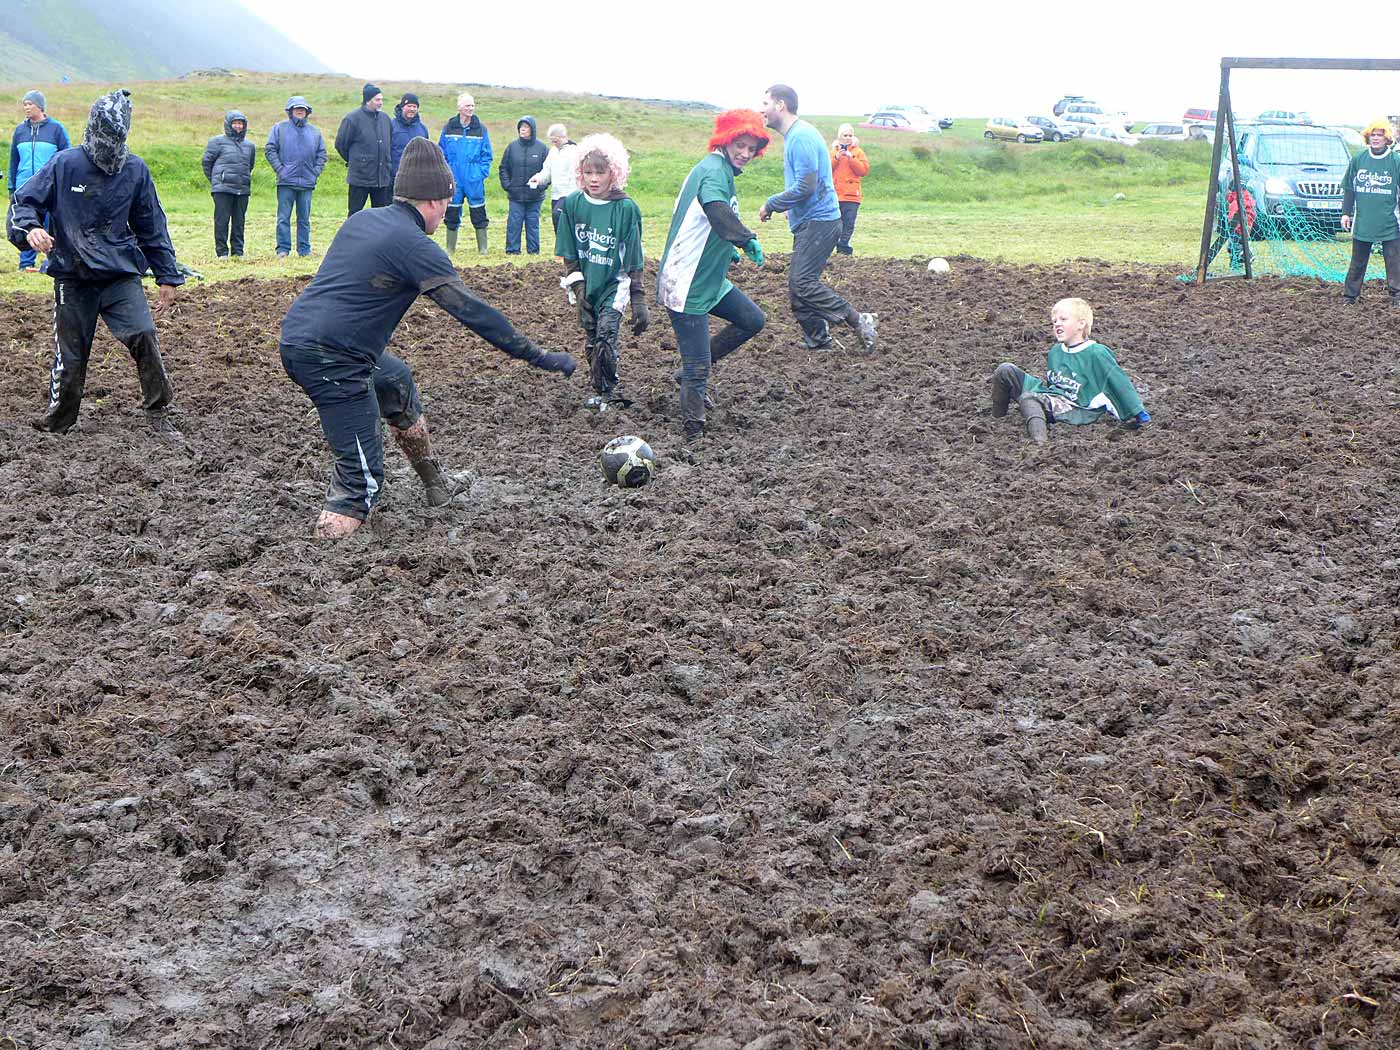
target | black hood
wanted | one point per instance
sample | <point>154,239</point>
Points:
<point>104,138</point>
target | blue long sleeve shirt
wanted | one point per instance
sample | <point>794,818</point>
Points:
<point>808,190</point>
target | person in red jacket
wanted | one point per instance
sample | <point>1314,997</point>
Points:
<point>1230,229</point>
<point>848,166</point>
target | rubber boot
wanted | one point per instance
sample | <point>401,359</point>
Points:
<point>480,242</point>
<point>693,412</point>
<point>1034,413</point>
<point>451,241</point>
<point>709,398</point>
<point>438,488</point>
<point>1006,380</point>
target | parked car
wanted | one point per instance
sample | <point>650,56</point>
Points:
<point>1352,136</point>
<point>1198,116</point>
<point>896,122</point>
<point>1086,109</point>
<point>1165,131</point>
<point>1056,129</point>
<point>1012,128</point>
<point>1081,120</point>
<point>1293,172</point>
<point>1109,133</point>
<point>921,118</point>
<point>1059,107</point>
<point>944,123</point>
<point>1283,116</point>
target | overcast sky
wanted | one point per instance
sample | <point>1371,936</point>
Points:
<point>984,58</point>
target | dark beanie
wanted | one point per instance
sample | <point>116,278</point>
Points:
<point>369,92</point>
<point>408,98</point>
<point>423,173</point>
<point>37,97</point>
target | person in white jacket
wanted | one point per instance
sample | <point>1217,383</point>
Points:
<point>560,171</point>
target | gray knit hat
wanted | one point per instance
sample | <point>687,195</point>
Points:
<point>37,97</point>
<point>423,173</point>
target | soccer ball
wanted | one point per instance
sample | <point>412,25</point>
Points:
<point>628,462</point>
<point>939,265</point>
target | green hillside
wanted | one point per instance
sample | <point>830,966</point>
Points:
<point>138,39</point>
<point>925,195</point>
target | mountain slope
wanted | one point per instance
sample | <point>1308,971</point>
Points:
<point>140,40</point>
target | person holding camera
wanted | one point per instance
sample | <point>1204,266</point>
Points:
<point>848,166</point>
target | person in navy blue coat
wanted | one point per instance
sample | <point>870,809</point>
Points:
<point>407,126</point>
<point>108,230</point>
<point>365,143</point>
<point>33,145</point>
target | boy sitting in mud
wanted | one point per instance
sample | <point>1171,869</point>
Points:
<point>599,238</point>
<point>1083,381</point>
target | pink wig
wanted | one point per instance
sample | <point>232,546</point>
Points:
<point>611,150</point>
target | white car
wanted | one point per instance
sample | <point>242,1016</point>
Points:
<point>1165,131</point>
<point>1109,133</point>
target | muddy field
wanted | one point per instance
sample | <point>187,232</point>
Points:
<point>865,725</point>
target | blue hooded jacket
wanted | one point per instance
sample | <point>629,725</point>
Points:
<point>295,149</point>
<point>32,146</point>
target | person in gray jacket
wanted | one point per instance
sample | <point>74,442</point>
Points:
<point>365,143</point>
<point>297,153</point>
<point>228,165</point>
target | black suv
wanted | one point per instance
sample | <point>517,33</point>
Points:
<point>1294,173</point>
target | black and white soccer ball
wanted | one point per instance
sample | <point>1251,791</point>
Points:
<point>628,462</point>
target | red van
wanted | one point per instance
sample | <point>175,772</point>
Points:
<point>1198,116</point>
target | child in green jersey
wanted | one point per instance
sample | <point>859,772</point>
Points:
<point>1371,210</point>
<point>599,239</point>
<point>1082,383</point>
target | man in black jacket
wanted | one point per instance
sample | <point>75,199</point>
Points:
<point>365,142</point>
<point>523,159</point>
<point>335,334</point>
<point>108,230</point>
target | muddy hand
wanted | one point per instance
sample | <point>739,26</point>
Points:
<point>165,301</point>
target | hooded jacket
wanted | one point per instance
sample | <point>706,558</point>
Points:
<point>365,142</point>
<point>404,132</point>
<point>104,226</point>
<point>847,169</point>
<point>520,161</point>
<point>32,146</point>
<point>229,159</point>
<point>295,149</point>
<point>468,153</point>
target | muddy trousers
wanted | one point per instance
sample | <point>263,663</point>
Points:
<point>230,210</point>
<point>122,305</point>
<point>814,305</point>
<point>700,353</point>
<point>351,397</point>
<point>1361,258</point>
<point>1008,384</point>
<point>602,331</point>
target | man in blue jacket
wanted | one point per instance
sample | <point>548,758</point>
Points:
<point>407,125</point>
<point>108,230</point>
<point>814,216</point>
<point>297,153</point>
<point>335,334</point>
<point>365,143</point>
<point>34,142</point>
<point>466,144</point>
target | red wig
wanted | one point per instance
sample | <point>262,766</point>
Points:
<point>732,123</point>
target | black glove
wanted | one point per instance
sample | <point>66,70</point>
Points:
<point>641,316</point>
<point>556,361</point>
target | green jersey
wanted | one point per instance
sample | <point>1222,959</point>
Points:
<point>1370,192</point>
<point>605,239</point>
<point>1083,382</point>
<point>695,265</point>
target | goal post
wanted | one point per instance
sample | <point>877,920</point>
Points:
<point>1302,229</point>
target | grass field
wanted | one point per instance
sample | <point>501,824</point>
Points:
<point>925,195</point>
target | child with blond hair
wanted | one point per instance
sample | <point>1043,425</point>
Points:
<point>1083,382</point>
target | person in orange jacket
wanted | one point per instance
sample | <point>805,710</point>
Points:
<point>848,166</point>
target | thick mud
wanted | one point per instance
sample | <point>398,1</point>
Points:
<point>864,725</point>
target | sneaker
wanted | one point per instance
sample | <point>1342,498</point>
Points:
<point>1348,300</point>
<point>162,426</point>
<point>866,328</point>
<point>30,269</point>
<point>282,255</point>
<point>597,403</point>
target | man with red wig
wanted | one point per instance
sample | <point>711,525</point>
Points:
<point>703,242</point>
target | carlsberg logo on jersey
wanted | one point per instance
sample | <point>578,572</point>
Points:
<point>1062,382</point>
<point>1374,181</point>
<point>594,245</point>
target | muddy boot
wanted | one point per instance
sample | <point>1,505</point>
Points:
<point>1034,413</point>
<point>1007,381</point>
<point>162,426</point>
<point>480,242</point>
<point>451,241</point>
<point>438,488</point>
<point>693,412</point>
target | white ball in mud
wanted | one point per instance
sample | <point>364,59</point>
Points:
<point>627,462</point>
<point>939,265</point>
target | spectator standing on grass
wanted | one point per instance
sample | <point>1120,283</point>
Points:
<point>364,142</point>
<point>37,139</point>
<point>523,159</point>
<point>466,144</point>
<point>297,153</point>
<point>335,334</point>
<point>407,127</point>
<point>1371,210</point>
<point>560,171</point>
<point>814,216</point>
<point>228,165</point>
<point>848,166</point>
<point>108,230</point>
